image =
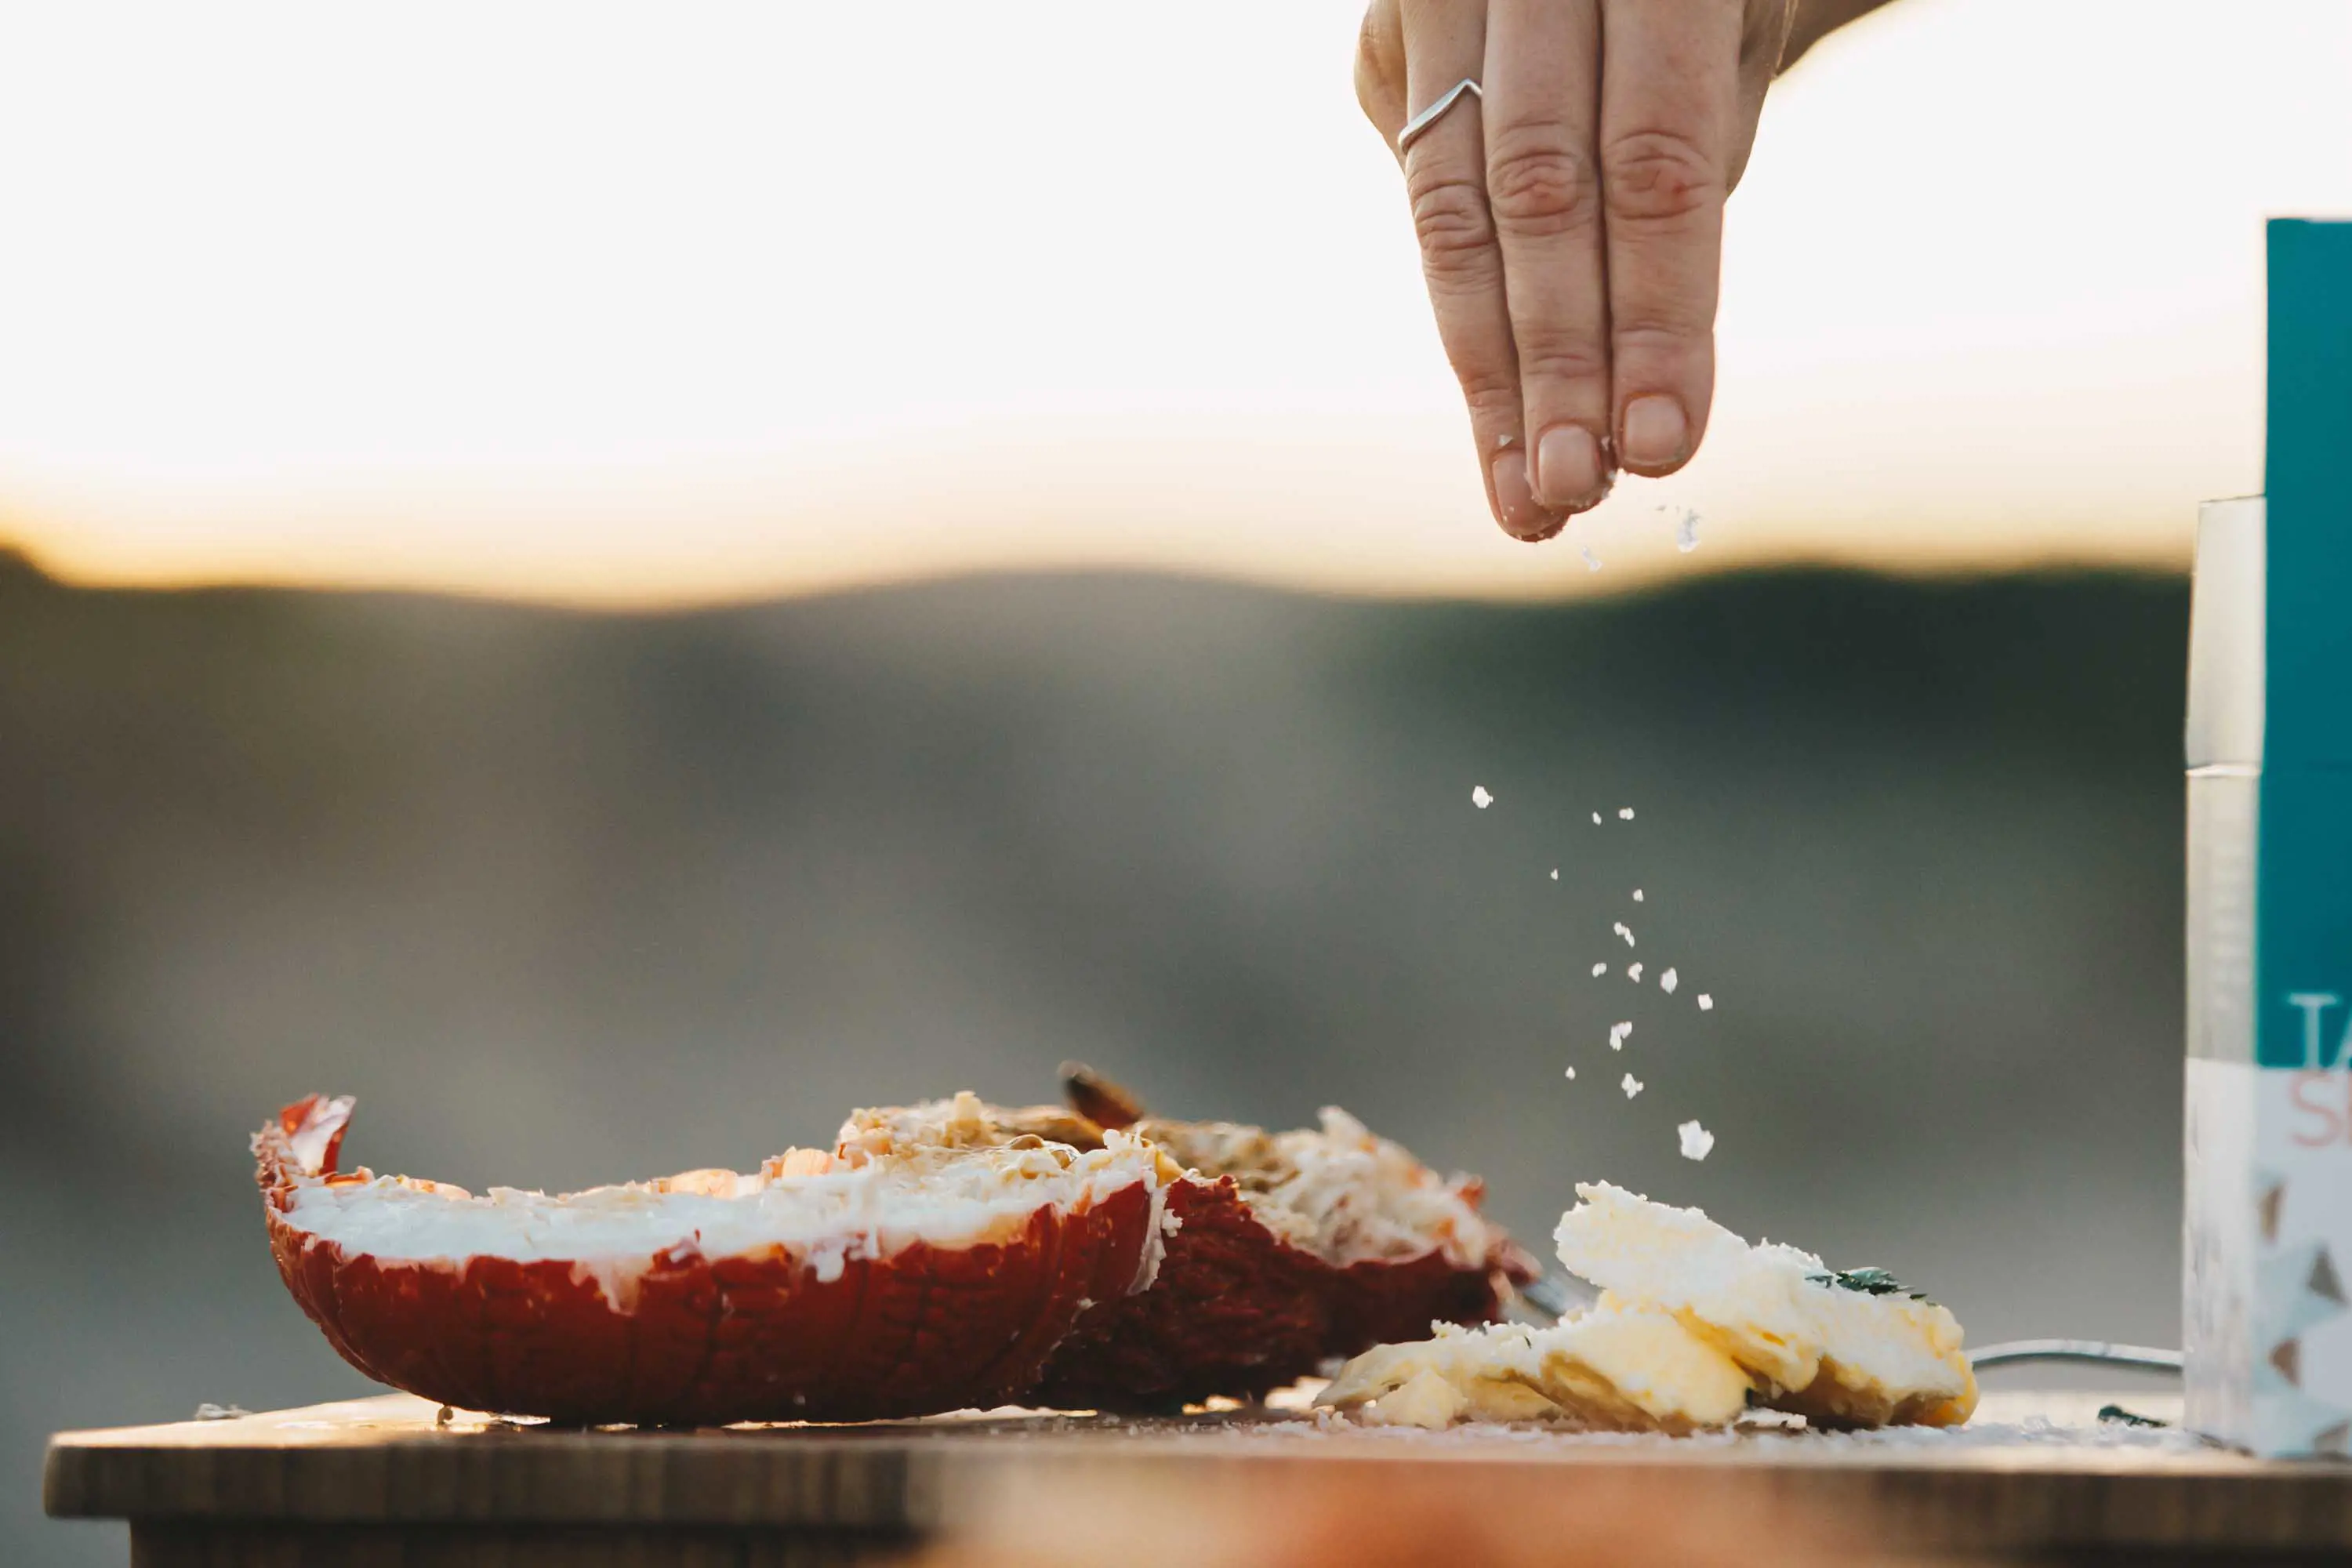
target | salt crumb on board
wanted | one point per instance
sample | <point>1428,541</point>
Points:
<point>1623,930</point>
<point>1479,798</point>
<point>1630,1085</point>
<point>1596,820</point>
<point>1637,895</point>
<point>1625,814</point>
<point>1633,973</point>
<point>1617,1033</point>
<point>1571,1072</point>
<point>1697,1139</point>
<point>1599,970</point>
<point>1555,873</point>
<point>1706,1002</point>
<point>1668,981</point>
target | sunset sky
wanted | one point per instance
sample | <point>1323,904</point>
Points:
<point>638,304</point>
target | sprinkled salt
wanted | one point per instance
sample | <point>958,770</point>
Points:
<point>1633,973</point>
<point>1706,1002</point>
<point>1596,820</point>
<point>1668,981</point>
<point>1622,929</point>
<point>1571,1072</point>
<point>1625,814</point>
<point>1637,895</point>
<point>1555,873</point>
<point>1630,1085</point>
<point>1686,532</point>
<point>1591,562</point>
<point>1697,1139</point>
<point>1479,798</point>
<point>1599,970</point>
<point>1617,1033</point>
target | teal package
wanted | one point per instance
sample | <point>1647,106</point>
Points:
<point>2267,1228</point>
<point>2303,942</point>
<point>2304,938</point>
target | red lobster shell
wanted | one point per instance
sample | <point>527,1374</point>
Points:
<point>822,1288</point>
<point>1253,1291</point>
<point>1240,1310</point>
<point>1237,1312</point>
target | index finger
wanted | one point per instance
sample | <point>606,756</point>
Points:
<point>1669,91</point>
<point>1446,176</point>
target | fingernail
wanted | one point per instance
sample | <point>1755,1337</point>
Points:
<point>1568,467</point>
<point>1656,433</point>
<point>1516,500</point>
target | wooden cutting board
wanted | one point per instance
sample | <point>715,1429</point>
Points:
<point>383,1482</point>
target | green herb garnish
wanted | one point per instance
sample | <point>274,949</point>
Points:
<point>1869,1282</point>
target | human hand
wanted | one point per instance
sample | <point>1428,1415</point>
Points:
<point>1571,219</point>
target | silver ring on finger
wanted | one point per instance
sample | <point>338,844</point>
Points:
<point>1467,87</point>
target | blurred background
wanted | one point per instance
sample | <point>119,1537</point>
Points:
<point>619,584</point>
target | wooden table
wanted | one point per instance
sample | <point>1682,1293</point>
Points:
<point>378,1482</point>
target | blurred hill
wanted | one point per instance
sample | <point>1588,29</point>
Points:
<point>567,899</point>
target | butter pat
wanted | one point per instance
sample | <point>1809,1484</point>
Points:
<point>1692,1326</point>
<point>1844,1348</point>
<point>1617,1368</point>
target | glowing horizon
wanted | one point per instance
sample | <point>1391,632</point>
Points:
<point>600,312</point>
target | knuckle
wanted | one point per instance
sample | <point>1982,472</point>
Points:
<point>1380,63</point>
<point>1665,338</point>
<point>1455,230</point>
<point>1557,356</point>
<point>1371,92</point>
<point>1491,389</point>
<point>1658,176</point>
<point>1538,184</point>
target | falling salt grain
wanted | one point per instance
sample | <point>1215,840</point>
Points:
<point>1633,973</point>
<point>1706,1002</point>
<point>1625,814</point>
<point>1599,970</point>
<point>1479,798</point>
<point>1591,562</point>
<point>1697,1139</point>
<point>1630,1085</point>
<point>1668,981</point>
<point>1686,532</point>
